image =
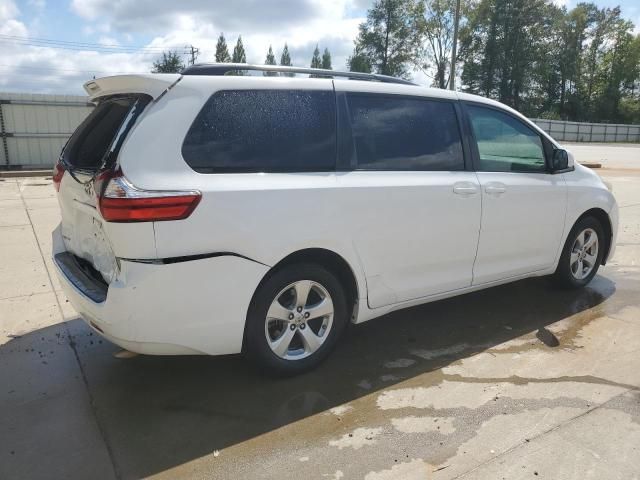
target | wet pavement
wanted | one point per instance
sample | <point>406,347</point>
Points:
<point>518,381</point>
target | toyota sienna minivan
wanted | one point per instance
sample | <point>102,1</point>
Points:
<point>260,209</point>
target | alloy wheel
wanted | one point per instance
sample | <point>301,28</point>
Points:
<point>299,320</point>
<point>584,254</point>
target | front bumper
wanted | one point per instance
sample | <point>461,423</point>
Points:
<point>192,307</point>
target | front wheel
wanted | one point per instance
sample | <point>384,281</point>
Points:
<point>582,254</point>
<point>295,318</point>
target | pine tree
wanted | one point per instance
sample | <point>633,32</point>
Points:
<point>239,55</point>
<point>285,60</point>
<point>270,60</point>
<point>316,62</point>
<point>326,59</point>
<point>222,52</point>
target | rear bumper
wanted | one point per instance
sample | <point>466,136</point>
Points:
<point>192,307</point>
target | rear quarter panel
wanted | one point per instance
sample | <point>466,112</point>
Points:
<point>257,215</point>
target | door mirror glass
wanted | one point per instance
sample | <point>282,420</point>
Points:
<point>560,160</point>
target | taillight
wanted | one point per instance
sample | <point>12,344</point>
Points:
<point>58,173</point>
<point>122,202</point>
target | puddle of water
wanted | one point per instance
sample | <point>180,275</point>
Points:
<point>399,363</point>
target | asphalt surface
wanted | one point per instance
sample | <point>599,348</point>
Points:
<point>519,381</point>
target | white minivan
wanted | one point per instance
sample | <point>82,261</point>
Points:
<point>260,209</point>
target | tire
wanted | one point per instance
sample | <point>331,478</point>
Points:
<point>278,314</point>
<point>576,272</point>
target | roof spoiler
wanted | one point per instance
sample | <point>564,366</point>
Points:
<point>152,84</point>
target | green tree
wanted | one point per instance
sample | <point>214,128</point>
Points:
<point>285,58</point>
<point>359,61</point>
<point>502,50</point>
<point>437,29</point>
<point>581,64</point>
<point>270,60</point>
<point>316,61</point>
<point>326,59</point>
<point>169,63</point>
<point>618,69</point>
<point>222,52</point>
<point>239,55</point>
<point>390,37</point>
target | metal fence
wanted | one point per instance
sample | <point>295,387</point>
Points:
<point>35,127</point>
<point>589,132</point>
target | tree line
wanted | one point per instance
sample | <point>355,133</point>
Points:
<point>580,64</point>
<point>171,62</point>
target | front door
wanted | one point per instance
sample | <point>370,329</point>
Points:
<point>523,206</point>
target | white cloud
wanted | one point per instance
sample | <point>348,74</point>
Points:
<point>29,68</point>
<point>150,15</point>
<point>8,10</point>
<point>299,23</point>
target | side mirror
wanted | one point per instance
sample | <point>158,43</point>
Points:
<point>560,161</point>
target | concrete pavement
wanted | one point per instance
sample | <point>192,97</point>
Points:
<point>520,381</point>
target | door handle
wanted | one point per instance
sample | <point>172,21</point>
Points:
<point>465,188</point>
<point>495,188</point>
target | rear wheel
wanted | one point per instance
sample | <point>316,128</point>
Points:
<point>295,318</point>
<point>582,254</point>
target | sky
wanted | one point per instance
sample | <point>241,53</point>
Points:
<point>54,46</point>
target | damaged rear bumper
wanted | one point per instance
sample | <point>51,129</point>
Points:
<point>191,307</point>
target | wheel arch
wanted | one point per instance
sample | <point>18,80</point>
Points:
<point>331,260</point>
<point>602,217</point>
<point>327,258</point>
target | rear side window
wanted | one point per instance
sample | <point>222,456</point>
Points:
<point>91,140</point>
<point>400,133</point>
<point>263,131</point>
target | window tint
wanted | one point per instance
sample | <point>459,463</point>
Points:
<point>505,144</point>
<point>263,130</point>
<point>405,133</point>
<point>92,138</point>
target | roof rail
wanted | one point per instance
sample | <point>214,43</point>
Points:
<point>226,68</point>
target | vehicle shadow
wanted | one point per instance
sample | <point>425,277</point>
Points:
<point>160,412</point>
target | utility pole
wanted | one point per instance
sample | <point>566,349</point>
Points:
<point>452,79</point>
<point>193,51</point>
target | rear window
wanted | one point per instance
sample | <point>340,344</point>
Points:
<point>91,140</point>
<point>263,131</point>
<point>400,133</point>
